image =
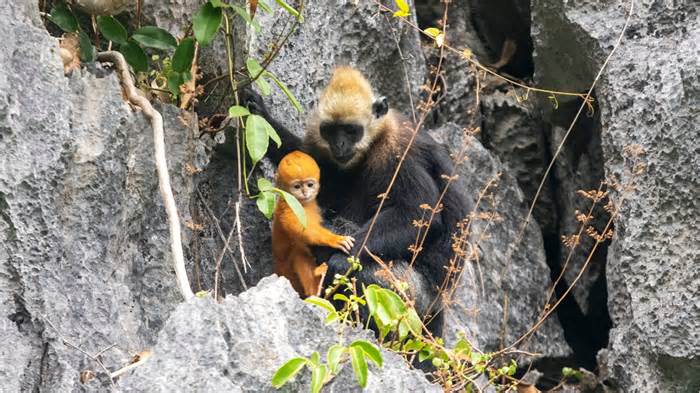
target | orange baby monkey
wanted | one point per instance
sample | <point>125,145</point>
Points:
<point>299,175</point>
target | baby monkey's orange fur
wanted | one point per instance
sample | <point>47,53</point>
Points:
<point>299,175</point>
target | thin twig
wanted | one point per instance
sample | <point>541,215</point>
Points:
<point>397,41</point>
<point>217,225</point>
<point>94,358</point>
<point>217,269</point>
<point>166,191</point>
<point>142,360</point>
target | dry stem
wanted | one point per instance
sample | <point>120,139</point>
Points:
<point>166,191</point>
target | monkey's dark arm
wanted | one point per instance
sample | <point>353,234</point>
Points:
<point>290,141</point>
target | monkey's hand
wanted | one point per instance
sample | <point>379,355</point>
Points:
<point>255,103</point>
<point>344,243</point>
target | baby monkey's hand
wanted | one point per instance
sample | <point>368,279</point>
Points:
<point>345,243</point>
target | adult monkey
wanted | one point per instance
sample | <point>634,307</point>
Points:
<point>357,142</point>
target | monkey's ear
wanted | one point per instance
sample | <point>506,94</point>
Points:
<point>380,107</point>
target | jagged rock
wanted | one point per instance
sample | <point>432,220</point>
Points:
<point>84,243</point>
<point>513,130</point>
<point>648,101</point>
<point>478,308</point>
<point>237,346</point>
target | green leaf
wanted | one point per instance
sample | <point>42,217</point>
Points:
<point>154,37</point>
<point>219,4</point>
<point>393,303</point>
<point>404,10</point>
<point>256,138</point>
<point>87,51</point>
<point>267,127</point>
<point>255,70</point>
<point>341,297</point>
<point>463,348</point>
<point>293,100</point>
<point>372,298</point>
<point>425,354</point>
<point>238,111</point>
<point>266,203</point>
<point>403,329</point>
<point>289,9</point>
<point>272,134</point>
<point>287,371</point>
<point>335,353</point>
<point>183,56</point>
<point>135,56</point>
<point>331,318</point>
<point>371,351</point>
<point>206,22</point>
<point>414,322</point>
<point>296,207</point>
<point>264,185</point>
<point>320,302</point>
<point>112,29</point>
<point>176,79</point>
<point>246,17</point>
<point>315,359</point>
<point>413,345</point>
<point>264,86</point>
<point>569,372</point>
<point>62,16</point>
<point>318,376</point>
<point>512,368</point>
<point>359,365</point>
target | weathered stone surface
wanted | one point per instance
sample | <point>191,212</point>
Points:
<point>513,130</point>
<point>237,346</point>
<point>83,239</point>
<point>648,99</point>
<point>478,308</point>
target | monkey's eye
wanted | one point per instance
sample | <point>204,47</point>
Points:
<point>310,185</point>
<point>297,186</point>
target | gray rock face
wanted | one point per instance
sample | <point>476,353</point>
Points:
<point>648,100</point>
<point>478,305</point>
<point>237,346</point>
<point>83,241</point>
<point>514,131</point>
<point>84,252</point>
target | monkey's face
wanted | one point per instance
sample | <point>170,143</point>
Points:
<point>304,190</point>
<point>342,139</point>
<point>349,139</point>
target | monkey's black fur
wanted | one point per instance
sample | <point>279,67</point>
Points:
<point>353,194</point>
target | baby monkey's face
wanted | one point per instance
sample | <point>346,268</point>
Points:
<point>305,190</point>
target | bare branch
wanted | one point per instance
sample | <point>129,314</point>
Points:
<point>166,191</point>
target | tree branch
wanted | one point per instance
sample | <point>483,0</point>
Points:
<point>161,165</point>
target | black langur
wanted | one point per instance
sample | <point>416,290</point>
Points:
<point>357,141</point>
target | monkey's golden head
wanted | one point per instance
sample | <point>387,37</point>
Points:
<point>348,97</point>
<point>299,175</point>
<point>348,117</point>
